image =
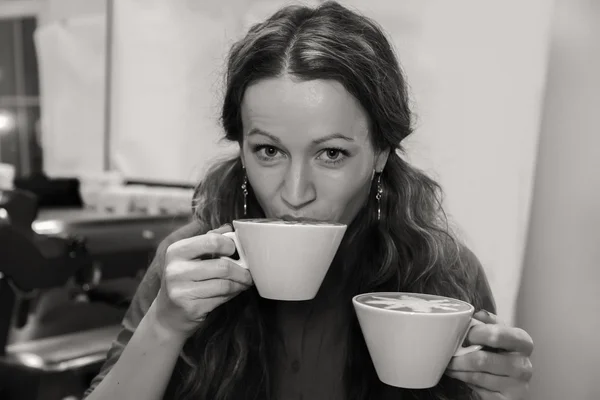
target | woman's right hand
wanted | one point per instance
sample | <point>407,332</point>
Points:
<point>192,285</point>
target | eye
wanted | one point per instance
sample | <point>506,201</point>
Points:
<point>265,152</point>
<point>333,154</point>
<point>270,151</point>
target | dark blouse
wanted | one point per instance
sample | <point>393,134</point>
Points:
<point>312,362</point>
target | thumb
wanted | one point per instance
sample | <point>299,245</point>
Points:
<point>222,229</point>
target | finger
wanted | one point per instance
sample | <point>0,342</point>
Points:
<point>222,229</point>
<point>512,365</point>
<point>227,269</point>
<point>484,394</point>
<point>204,270</point>
<point>487,317</point>
<point>200,246</point>
<point>490,382</point>
<point>502,337</point>
<point>216,288</point>
<point>219,290</point>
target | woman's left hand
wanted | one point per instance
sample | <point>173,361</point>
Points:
<point>502,369</point>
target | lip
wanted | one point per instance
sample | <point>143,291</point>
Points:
<point>298,218</point>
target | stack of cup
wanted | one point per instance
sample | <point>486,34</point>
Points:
<point>93,187</point>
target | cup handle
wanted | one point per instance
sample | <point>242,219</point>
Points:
<point>242,261</point>
<point>472,348</point>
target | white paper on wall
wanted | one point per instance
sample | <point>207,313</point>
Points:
<point>168,61</point>
<point>71,61</point>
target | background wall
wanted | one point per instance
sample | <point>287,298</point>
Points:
<point>559,302</point>
<point>478,90</point>
<point>57,10</point>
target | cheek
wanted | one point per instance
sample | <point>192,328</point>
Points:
<point>264,183</point>
<point>343,197</point>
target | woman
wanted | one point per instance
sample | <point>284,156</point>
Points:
<point>318,104</point>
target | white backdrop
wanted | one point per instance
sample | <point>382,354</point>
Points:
<point>476,70</point>
<point>71,61</point>
<point>480,123</point>
<point>168,59</point>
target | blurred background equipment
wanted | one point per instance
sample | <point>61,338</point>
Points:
<point>66,279</point>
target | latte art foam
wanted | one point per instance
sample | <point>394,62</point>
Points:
<point>287,221</point>
<point>414,304</point>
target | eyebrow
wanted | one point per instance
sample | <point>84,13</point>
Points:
<point>256,131</point>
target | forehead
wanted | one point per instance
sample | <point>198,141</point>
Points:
<point>287,107</point>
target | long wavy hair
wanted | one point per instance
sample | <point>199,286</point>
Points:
<point>410,249</point>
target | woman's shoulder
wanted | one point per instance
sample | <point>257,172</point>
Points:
<point>469,259</point>
<point>478,276</point>
<point>150,283</point>
<point>192,228</point>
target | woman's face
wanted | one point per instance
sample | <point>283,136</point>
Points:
<point>307,149</point>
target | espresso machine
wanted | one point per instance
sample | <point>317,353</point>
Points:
<point>91,258</point>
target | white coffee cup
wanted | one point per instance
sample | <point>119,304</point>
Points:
<point>287,260</point>
<point>412,337</point>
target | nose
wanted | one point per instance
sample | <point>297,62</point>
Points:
<point>298,189</point>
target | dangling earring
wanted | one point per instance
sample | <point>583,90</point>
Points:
<point>378,196</point>
<point>245,190</point>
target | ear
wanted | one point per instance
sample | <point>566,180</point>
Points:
<point>381,160</point>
